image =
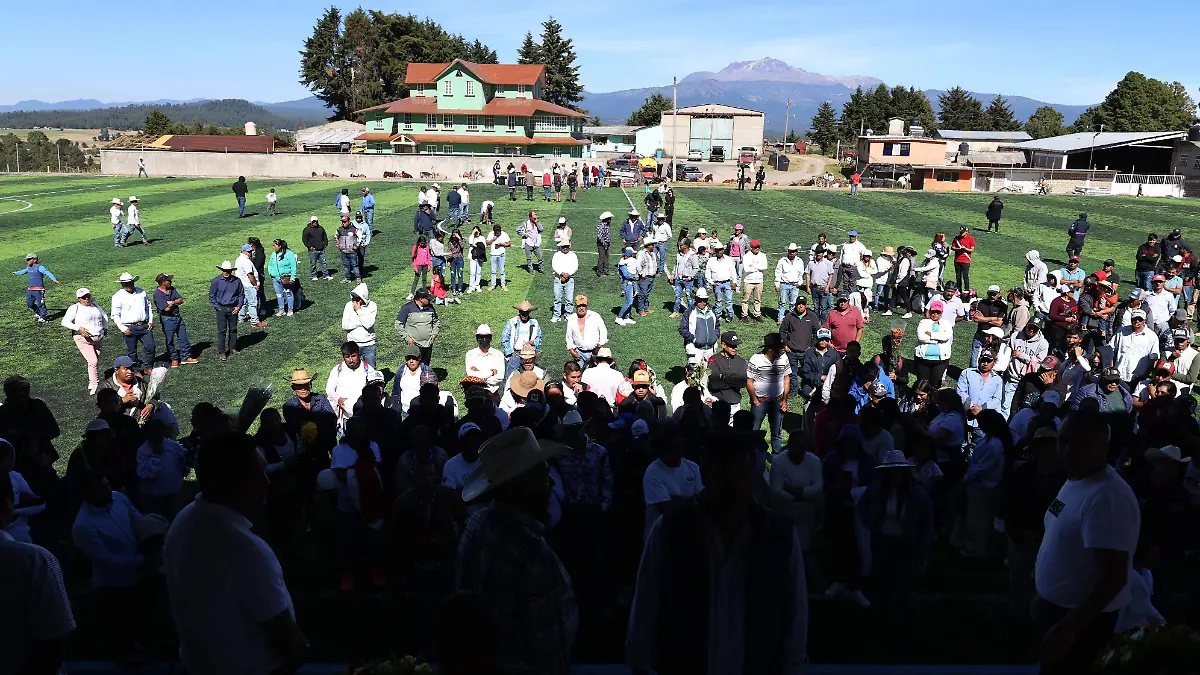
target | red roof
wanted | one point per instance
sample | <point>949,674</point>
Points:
<point>521,107</point>
<point>377,137</point>
<point>493,139</point>
<point>193,143</point>
<point>491,73</point>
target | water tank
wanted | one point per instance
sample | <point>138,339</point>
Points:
<point>964,148</point>
<point>251,129</point>
<point>1194,133</point>
<point>896,126</point>
<point>915,129</point>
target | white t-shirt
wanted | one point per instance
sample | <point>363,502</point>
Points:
<point>457,470</point>
<point>242,269</point>
<point>410,387</point>
<point>953,309</point>
<point>499,242</point>
<point>769,376</point>
<point>661,483</point>
<point>224,581</point>
<point>344,204</point>
<point>1097,512</point>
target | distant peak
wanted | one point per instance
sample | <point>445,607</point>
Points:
<point>765,64</point>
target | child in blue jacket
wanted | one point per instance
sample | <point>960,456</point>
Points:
<point>36,274</point>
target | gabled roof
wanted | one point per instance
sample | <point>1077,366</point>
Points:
<point>717,109</point>
<point>521,107</point>
<point>1088,140</point>
<point>490,73</point>
<point>955,135</point>
<point>196,143</point>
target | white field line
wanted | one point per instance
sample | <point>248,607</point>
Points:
<point>29,204</point>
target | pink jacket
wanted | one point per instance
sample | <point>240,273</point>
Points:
<point>421,257</point>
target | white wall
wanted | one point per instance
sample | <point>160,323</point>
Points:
<point>650,141</point>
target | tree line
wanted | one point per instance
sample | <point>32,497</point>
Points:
<point>38,153</point>
<point>360,60</point>
<point>230,112</point>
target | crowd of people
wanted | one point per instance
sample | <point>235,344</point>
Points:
<point>553,489</point>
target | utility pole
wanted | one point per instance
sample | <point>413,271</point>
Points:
<point>786,118</point>
<point>59,148</point>
<point>674,117</point>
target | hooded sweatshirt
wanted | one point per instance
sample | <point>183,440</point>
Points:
<point>1035,270</point>
<point>360,325</point>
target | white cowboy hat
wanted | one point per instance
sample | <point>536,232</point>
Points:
<point>702,293</point>
<point>226,266</point>
<point>506,456</point>
<point>483,329</point>
<point>126,278</point>
<point>633,212</point>
<point>1170,452</point>
<point>116,200</point>
<point>607,215</point>
<point>132,198</point>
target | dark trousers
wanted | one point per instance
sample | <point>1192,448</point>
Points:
<point>931,370</point>
<point>126,611</point>
<point>1088,644</point>
<point>995,224</point>
<point>602,257</point>
<point>140,333</point>
<point>529,192</point>
<point>36,300</point>
<point>794,360</point>
<point>893,569</point>
<point>179,347</point>
<point>226,329</point>
<point>962,275</point>
<point>426,354</point>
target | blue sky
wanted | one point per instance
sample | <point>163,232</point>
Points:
<point>1062,51</point>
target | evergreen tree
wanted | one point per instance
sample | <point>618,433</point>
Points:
<point>792,137</point>
<point>320,68</point>
<point>1139,103</point>
<point>562,75</point>
<point>999,116</point>
<point>960,110</point>
<point>911,103</point>
<point>1044,123</point>
<point>530,51</point>
<point>650,112</point>
<point>854,112</point>
<point>878,107</point>
<point>823,129</point>
<point>157,123</point>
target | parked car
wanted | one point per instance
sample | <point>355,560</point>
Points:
<point>688,173</point>
<point>748,149</point>
<point>628,157</point>
<point>717,154</point>
<point>746,157</point>
<point>695,155</point>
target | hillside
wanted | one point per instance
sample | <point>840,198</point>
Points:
<point>231,112</point>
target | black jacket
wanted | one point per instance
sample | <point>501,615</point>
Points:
<point>1173,247</point>
<point>727,378</point>
<point>315,238</point>
<point>240,189</point>
<point>994,209</point>
<point>1147,257</point>
<point>799,332</point>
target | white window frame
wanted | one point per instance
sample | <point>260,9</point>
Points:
<point>447,122</point>
<point>512,123</point>
<point>432,121</point>
<point>470,88</point>
<point>489,122</point>
<point>520,90</point>
<point>420,89</point>
<point>430,149</point>
<point>408,121</point>
<point>447,149</point>
<point>559,123</point>
<point>472,122</point>
<point>558,152</point>
<point>447,87</point>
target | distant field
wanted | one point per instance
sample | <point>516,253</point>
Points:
<point>73,135</point>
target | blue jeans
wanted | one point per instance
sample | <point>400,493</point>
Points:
<point>118,233</point>
<point>511,365</point>
<point>439,265</point>
<point>771,411</point>
<point>976,348</point>
<point>285,299</point>
<point>129,230</point>
<point>241,205</point>
<point>564,297</point>
<point>546,192</point>
<point>630,287</point>
<point>787,300</point>
<point>36,300</point>
<point>1010,390</point>
<point>464,212</point>
<point>1187,294</point>
<point>140,333</point>
<point>498,266</point>
<point>1144,278</point>
<point>178,346</point>
<point>367,353</point>
<point>317,258</point>
<point>456,274</point>
<point>883,297</point>
<point>645,287</point>
<point>683,294</point>
<point>350,265</point>
<point>250,309</point>
<point>822,302</point>
<point>660,250</point>
<point>723,291</point>
<point>794,359</point>
<point>369,217</point>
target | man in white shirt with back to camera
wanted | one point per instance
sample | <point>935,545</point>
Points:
<point>671,477</point>
<point>1083,567</point>
<point>232,609</point>
<point>245,271</point>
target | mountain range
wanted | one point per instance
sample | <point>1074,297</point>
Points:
<point>764,84</point>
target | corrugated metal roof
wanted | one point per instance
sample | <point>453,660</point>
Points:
<point>194,143</point>
<point>491,73</point>
<point>386,138</point>
<point>327,137</point>
<point>718,109</point>
<point>616,130</point>
<point>1087,140</point>
<point>906,139</point>
<point>955,135</point>
<point>1011,158</point>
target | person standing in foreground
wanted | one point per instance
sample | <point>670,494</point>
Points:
<point>231,607</point>
<point>88,325</point>
<point>36,275</point>
<point>167,301</point>
<point>789,274</point>
<point>504,555</point>
<point>358,320</point>
<point>768,380</point>
<point>133,314</point>
<point>239,191</point>
<point>418,324</point>
<point>227,296</point>
<point>1083,566</point>
<point>247,273</point>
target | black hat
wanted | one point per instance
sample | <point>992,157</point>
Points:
<point>1110,263</point>
<point>731,338</point>
<point>421,294</point>
<point>801,300</point>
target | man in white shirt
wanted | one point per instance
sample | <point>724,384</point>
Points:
<point>565,264</point>
<point>114,214</point>
<point>1083,567</point>
<point>602,378</point>
<point>646,268</point>
<point>754,265</point>
<point>530,232</point>
<point>662,235</point>
<point>669,479</point>
<point>133,314</point>
<point>134,222</point>
<point>1135,348</point>
<point>768,381</point>
<point>344,202</point>
<point>1160,303</point>
<point>789,274</point>
<point>231,607</point>
<point>485,363</point>
<point>346,381</point>
<point>586,332</point>
<point>245,271</point>
<point>722,274</point>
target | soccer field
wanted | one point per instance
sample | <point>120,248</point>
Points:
<point>193,226</point>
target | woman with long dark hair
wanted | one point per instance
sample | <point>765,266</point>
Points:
<point>942,250</point>
<point>454,251</point>
<point>282,268</point>
<point>259,258</point>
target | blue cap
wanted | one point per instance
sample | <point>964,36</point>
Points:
<point>247,247</point>
<point>628,251</point>
<point>1136,294</point>
<point>122,362</point>
<point>853,233</point>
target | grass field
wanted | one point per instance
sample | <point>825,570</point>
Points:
<point>193,226</point>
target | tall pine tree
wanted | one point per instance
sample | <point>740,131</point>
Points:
<point>1044,123</point>
<point>650,112</point>
<point>530,51</point>
<point>562,75</point>
<point>960,110</point>
<point>320,67</point>
<point>854,112</point>
<point>999,116</point>
<point>911,103</point>
<point>878,109</point>
<point>823,129</point>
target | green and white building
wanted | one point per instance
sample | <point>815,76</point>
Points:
<point>474,108</point>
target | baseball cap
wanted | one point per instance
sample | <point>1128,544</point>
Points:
<point>994,288</point>
<point>739,226</point>
<point>878,389</point>
<point>1159,277</point>
<point>640,428</point>
<point>1110,375</point>
<point>1166,365</point>
<point>987,354</point>
<point>248,248</point>
<point>1181,334</point>
<point>824,333</point>
<point>754,243</point>
<point>82,292</point>
<point>1137,314</point>
<point>122,362</point>
<point>581,300</point>
<point>31,256</point>
<point>994,331</point>
<point>1110,263</point>
<point>731,338</point>
<point>1049,363</point>
<point>1063,288</point>
<point>1177,258</point>
<point>843,295</point>
<point>1052,396</point>
<point>1181,314</point>
<point>852,233</point>
<point>1135,294</point>
<point>412,352</point>
<point>641,377</point>
<point>937,306</point>
<point>163,277</point>
<point>421,294</point>
<point>1073,258</point>
<point>801,300</point>
<point>478,393</point>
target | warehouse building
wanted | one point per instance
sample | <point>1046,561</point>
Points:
<point>703,127</point>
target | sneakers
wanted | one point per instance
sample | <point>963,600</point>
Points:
<point>174,364</point>
<point>260,324</point>
<point>290,312</point>
<point>224,357</point>
<point>190,361</point>
<point>93,388</point>
<point>555,319</point>
<point>887,313</point>
<point>673,315</point>
<point>314,278</point>
<point>835,590</point>
<point>907,315</point>
<point>329,277</point>
<point>41,319</point>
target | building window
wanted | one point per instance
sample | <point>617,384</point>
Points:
<point>512,123</point>
<point>447,122</point>
<point>558,152</point>
<point>431,122</point>
<point>472,122</point>
<point>1197,164</point>
<point>430,149</point>
<point>897,149</point>
<point>448,88</point>
<point>905,149</point>
<point>1183,159</point>
<point>497,150</point>
<point>520,90</point>
<point>887,149</point>
<point>551,123</point>
<point>470,88</point>
<point>447,149</point>
<point>489,122</point>
<point>408,121</point>
<point>946,177</point>
<point>420,90</point>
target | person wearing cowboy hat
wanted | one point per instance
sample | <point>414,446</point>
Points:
<point>133,222</point>
<point>116,216</point>
<point>586,332</point>
<point>504,556</point>
<point>518,388</point>
<point>519,331</point>
<point>308,407</point>
<point>646,268</point>
<point>167,301</point>
<point>35,275</point>
<point>633,229</point>
<point>603,243</point>
<point>133,314</point>
<point>484,362</point>
<point>602,377</point>
<point>700,329</point>
<point>565,265</point>
<point>227,296</point>
<point>528,356</point>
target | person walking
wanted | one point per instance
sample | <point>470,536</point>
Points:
<point>1077,233</point>
<point>498,243</point>
<point>367,206</point>
<point>316,241</point>
<point>133,314</point>
<point>35,294</point>
<point>239,190</point>
<point>133,221</point>
<point>789,274</point>
<point>530,233</point>
<point>281,265</point>
<point>246,273</point>
<point>347,244</point>
<point>88,325</point>
<point>272,199</point>
<point>768,381</point>
<point>167,301</point>
<point>142,168</point>
<point>994,210</point>
<point>647,267</point>
<point>963,248</point>
<point>227,296</point>
<point>754,267</point>
<point>116,215</point>
<point>760,177</point>
<point>603,242</point>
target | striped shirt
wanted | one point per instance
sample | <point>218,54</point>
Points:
<point>768,377</point>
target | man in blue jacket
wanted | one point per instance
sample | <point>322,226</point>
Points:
<point>453,201</point>
<point>35,296</point>
<point>424,223</point>
<point>633,229</point>
<point>226,294</point>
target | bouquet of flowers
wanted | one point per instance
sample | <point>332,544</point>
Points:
<point>257,396</point>
<point>392,666</point>
<point>1153,650</point>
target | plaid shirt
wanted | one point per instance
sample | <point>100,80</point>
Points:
<point>504,555</point>
<point>604,233</point>
<point>587,476</point>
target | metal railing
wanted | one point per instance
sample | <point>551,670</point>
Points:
<point>1150,179</point>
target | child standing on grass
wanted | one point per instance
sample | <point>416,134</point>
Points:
<point>271,199</point>
<point>116,216</point>
<point>421,263</point>
<point>36,274</point>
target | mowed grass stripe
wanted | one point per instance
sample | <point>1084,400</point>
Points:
<point>59,207</point>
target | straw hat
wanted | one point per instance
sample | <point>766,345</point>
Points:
<point>524,382</point>
<point>301,376</point>
<point>525,306</point>
<point>506,456</point>
<point>528,352</point>
<point>126,278</point>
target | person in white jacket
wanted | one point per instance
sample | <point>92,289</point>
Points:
<point>1135,348</point>
<point>358,320</point>
<point>862,295</point>
<point>754,264</point>
<point>1035,269</point>
<point>565,264</point>
<point>934,343</point>
<point>88,325</point>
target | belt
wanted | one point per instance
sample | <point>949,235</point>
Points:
<point>37,288</point>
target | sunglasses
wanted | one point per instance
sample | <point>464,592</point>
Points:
<point>1138,318</point>
<point>581,305</point>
